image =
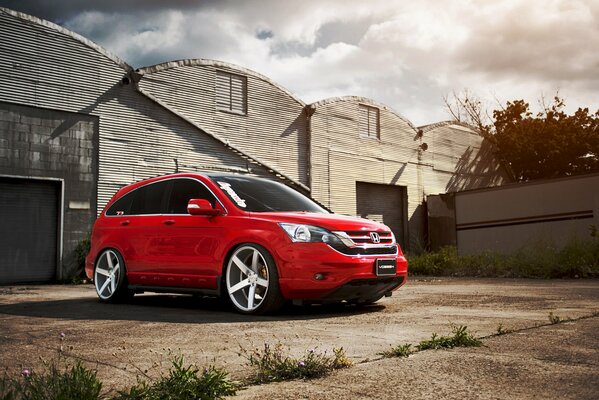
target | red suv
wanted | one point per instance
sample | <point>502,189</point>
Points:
<point>256,242</point>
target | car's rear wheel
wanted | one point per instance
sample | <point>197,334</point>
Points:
<point>110,277</point>
<point>252,280</point>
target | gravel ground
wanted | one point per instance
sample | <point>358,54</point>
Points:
<point>556,361</point>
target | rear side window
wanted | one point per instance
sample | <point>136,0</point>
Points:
<point>122,206</point>
<point>185,189</point>
<point>149,199</point>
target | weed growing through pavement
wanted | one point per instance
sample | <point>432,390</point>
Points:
<point>460,338</point>
<point>501,330</point>
<point>401,350</point>
<point>271,364</point>
<point>60,379</point>
<point>57,378</point>
<point>556,319</point>
<point>184,383</point>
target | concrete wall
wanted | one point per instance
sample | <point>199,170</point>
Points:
<point>514,216</point>
<point>45,143</point>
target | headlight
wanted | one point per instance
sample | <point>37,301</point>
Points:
<point>309,233</point>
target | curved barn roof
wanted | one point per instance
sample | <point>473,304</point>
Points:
<point>363,100</point>
<point>430,127</point>
<point>67,32</point>
<point>201,62</point>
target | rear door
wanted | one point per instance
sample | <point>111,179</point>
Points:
<point>189,244</point>
<point>139,226</point>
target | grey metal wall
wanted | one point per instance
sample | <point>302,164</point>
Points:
<point>459,158</point>
<point>530,214</point>
<point>340,157</point>
<point>272,130</point>
<point>45,66</point>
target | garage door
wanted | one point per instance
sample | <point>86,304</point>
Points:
<point>386,204</point>
<point>29,230</point>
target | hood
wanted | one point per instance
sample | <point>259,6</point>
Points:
<point>332,222</point>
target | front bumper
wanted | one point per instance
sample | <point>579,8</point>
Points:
<point>345,277</point>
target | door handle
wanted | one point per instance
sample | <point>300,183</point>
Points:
<point>168,222</point>
<point>125,222</point>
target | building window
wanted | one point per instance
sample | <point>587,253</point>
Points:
<point>368,122</point>
<point>231,92</point>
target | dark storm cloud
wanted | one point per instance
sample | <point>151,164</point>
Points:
<point>59,11</point>
<point>406,54</point>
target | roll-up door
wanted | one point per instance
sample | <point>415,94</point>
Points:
<point>29,215</point>
<point>386,204</point>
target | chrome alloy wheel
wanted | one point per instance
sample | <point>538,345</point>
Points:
<point>107,275</point>
<point>247,278</point>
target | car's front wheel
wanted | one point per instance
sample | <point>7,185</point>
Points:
<point>252,280</point>
<point>110,277</point>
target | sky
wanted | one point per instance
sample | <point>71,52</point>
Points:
<point>405,54</point>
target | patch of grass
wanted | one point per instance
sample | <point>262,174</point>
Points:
<point>184,383</point>
<point>271,364</point>
<point>576,259</point>
<point>460,338</point>
<point>401,350</point>
<point>52,383</point>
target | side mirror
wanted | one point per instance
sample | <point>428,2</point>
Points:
<point>202,207</point>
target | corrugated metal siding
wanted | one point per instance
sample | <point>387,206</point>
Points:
<point>340,157</point>
<point>138,139</point>
<point>461,159</point>
<point>273,129</point>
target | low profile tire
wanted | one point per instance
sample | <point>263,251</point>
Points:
<point>110,278</point>
<point>252,280</point>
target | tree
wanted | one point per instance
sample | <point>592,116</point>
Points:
<point>546,145</point>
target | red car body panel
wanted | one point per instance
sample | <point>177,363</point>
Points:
<point>190,251</point>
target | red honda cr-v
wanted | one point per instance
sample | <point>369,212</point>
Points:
<point>253,241</point>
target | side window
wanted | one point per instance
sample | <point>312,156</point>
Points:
<point>184,190</point>
<point>122,206</point>
<point>148,199</point>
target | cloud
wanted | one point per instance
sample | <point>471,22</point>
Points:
<point>404,54</point>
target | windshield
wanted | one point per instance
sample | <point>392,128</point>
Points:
<point>261,195</point>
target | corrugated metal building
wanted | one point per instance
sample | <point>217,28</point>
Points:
<point>79,123</point>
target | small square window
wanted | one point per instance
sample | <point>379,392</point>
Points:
<point>369,122</point>
<point>231,92</point>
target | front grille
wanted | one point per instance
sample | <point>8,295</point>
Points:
<point>367,251</point>
<point>365,237</point>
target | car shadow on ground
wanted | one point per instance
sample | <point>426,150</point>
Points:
<point>172,309</point>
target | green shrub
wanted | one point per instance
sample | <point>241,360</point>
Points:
<point>576,259</point>
<point>272,365</point>
<point>184,383</point>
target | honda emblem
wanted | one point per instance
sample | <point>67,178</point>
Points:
<point>375,237</point>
